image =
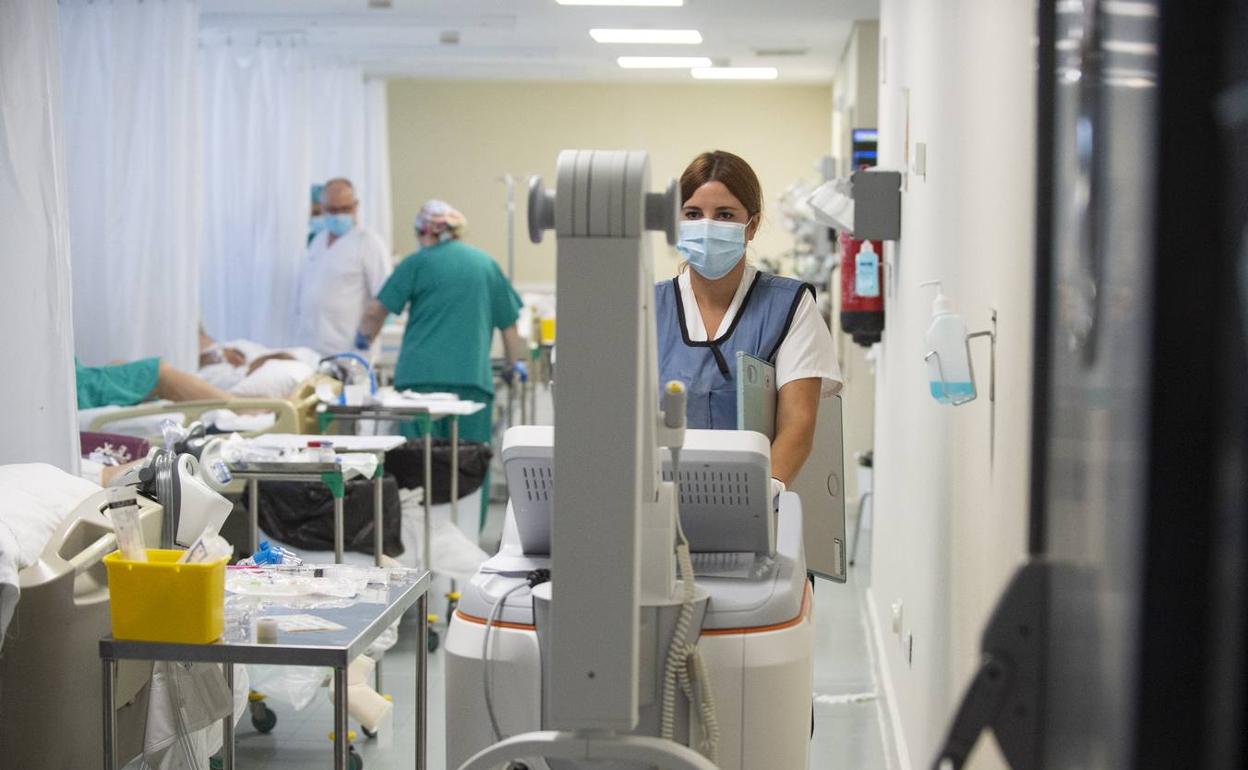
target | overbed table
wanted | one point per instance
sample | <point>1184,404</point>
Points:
<point>329,474</point>
<point>424,412</point>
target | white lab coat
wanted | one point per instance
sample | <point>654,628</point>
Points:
<point>335,287</point>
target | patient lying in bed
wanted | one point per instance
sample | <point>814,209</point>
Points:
<point>249,369</point>
<point>130,383</point>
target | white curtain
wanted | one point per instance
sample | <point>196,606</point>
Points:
<point>375,192</point>
<point>256,181</point>
<point>276,119</point>
<point>129,75</point>
<point>40,423</point>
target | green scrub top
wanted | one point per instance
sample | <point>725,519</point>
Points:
<point>116,385</point>
<point>458,297</point>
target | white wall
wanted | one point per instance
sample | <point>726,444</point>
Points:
<point>950,516</point>
<point>854,106</point>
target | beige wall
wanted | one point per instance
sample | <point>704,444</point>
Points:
<point>453,140</point>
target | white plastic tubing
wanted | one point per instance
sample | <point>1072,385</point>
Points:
<point>38,421</point>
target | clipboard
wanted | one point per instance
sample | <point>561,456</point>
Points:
<point>821,482</point>
<point>756,395</point>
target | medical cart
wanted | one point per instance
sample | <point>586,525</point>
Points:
<point>363,622</point>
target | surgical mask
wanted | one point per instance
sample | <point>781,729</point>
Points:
<point>316,224</point>
<point>339,224</point>
<point>712,248</point>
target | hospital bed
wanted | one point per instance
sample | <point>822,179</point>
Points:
<point>49,656</point>
<point>145,420</point>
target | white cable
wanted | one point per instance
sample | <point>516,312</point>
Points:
<point>682,656</point>
<point>487,662</point>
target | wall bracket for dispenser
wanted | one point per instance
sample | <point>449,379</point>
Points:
<point>991,335</point>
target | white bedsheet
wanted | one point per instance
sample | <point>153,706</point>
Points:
<point>274,379</point>
<point>34,500</point>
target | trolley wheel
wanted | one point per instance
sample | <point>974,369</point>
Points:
<point>367,732</point>
<point>264,719</point>
<point>434,640</point>
<point>354,760</point>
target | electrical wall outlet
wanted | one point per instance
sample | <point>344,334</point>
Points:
<point>897,616</point>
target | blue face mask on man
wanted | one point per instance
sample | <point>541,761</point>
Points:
<point>339,224</point>
<point>712,248</point>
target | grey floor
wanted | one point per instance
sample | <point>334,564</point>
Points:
<point>848,706</point>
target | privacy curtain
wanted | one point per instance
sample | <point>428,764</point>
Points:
<point>256,180</point>
<point>376,190</point>
<point>35,295</point>
<point>276,119</point>
<point>129,75</point>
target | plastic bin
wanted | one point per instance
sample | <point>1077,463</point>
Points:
<point>162,601</point>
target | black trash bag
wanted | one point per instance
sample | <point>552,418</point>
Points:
<point>407,463</point>
<point>301,515</point>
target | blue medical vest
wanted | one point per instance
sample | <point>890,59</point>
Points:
<point>708,369</point>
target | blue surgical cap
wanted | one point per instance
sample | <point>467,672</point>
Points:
<point>318,193</point>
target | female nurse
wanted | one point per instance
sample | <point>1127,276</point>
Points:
<point>723,305</point>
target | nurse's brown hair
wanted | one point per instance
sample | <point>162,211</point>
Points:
<point>729,169</point>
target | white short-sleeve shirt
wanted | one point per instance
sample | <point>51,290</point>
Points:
<point>335,287</point>
<point>807,351</point>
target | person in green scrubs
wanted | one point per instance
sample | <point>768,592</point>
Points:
<point>130,383</point>
<point>456,297</point>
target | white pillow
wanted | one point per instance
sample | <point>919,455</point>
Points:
<point>34,499</point>
<point>274,379</point>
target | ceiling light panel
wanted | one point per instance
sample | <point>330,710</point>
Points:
<point>662,62</point>
<point>657,36</point>
<point>663,3</point>
<point>735,73</point>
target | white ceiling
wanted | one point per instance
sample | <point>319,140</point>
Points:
<point>540,40</point>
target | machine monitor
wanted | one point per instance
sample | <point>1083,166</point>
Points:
<point>725,489</point>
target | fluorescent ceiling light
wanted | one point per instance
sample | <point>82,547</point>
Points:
<point>662,62</point>
<point>672,36</point>
<point>735,73</point>
<point>665,3</point>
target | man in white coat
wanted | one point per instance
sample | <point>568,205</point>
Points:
<point>345,268</point>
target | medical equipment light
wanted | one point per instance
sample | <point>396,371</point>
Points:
<point>662,36</point>
<point>662,62</point>
<point>665,3</point>
<point>735,73</point>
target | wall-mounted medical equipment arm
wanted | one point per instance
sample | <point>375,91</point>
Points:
<point>1004,695</point>
<point>951,372</point>
<point>606,444</point>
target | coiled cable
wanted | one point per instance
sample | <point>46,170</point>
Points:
<point>684,667</point>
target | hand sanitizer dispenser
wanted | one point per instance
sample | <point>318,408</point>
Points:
<point>949,356</point>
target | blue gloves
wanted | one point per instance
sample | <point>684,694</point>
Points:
<point>515,369</point>
<point>362,342</point>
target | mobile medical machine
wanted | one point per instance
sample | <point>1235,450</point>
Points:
<point>622,659</point>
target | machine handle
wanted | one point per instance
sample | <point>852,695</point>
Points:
<point>91,555</point>
<point>541,209</point>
